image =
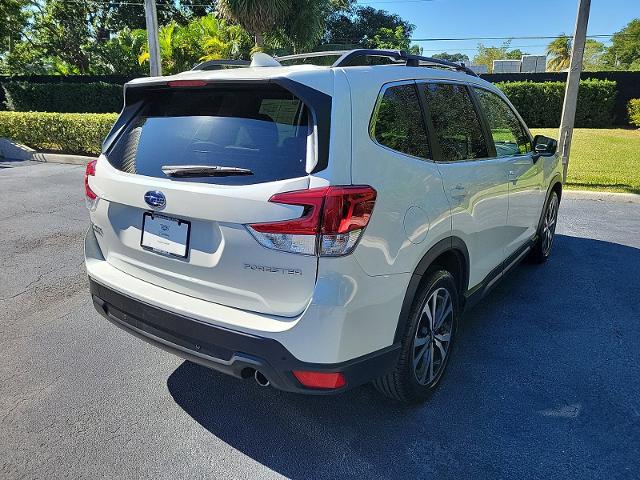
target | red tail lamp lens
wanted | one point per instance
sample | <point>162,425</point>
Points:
<point>333,219</point>
<point>89,172</point>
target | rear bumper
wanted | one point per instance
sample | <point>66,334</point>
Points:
<point>228,351</point>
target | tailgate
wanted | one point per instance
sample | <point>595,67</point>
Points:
<point>214,155</point>
<point>224,263</point>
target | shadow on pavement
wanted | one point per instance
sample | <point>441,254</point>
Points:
<point>544,382</point>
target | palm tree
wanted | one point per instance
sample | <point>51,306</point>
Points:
<point>256,16</point>
<point>560,52</point>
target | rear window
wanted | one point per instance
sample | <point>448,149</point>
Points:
<point>262,129</point>
<point>398,122</point>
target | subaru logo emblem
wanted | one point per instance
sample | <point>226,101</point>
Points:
<point>155,199</point>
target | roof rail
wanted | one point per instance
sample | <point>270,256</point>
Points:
<point>399,56</point>
<point>304,56</point>
<point>347,58</point>
<point>220,64</point>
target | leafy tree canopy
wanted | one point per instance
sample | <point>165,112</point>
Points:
<point>624,52</point>
<point>452,57</point>
<point>486,55</point>
<point>14,18</point>
<point>559,52</point>
<point>357,26</point>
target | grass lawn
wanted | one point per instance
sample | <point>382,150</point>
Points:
<point>602,159</point>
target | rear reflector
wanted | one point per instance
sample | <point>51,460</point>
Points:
<point>332,222</point>
<point>320,380</point>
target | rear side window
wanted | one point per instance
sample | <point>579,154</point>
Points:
<point>398,122</point>
<point>508,133</point>
<point>456,125</point>
<point>263,129</point>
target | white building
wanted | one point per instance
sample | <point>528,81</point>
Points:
<point>527,64</point>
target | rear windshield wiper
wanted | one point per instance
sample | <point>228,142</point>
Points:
<point>183,171</point>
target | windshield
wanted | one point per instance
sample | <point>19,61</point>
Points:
<point>263,129</point>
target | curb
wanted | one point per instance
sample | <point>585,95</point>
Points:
<point>601,196</point>
<point>62,158</point>
<point>12,151</point>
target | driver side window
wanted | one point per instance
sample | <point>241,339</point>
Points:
<point>508,133</point>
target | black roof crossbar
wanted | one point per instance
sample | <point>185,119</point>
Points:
<point>410,60</point>
<point>347,58</point>
<point>220,64</point>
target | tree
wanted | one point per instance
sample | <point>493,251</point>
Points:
<point>560,52</point>
<point>392,39</point>
<point>63,31</point>
<point>357,26</point>
<point>452,57</point>
<point>120,55</point>
<point>593,56</point>
<point>515,54</point>
<point>487,55</point>
<point>63,37</point>
<point>256,16</point>
<point>15,18</point>
<point>303,27</point>
<point>205,38</point>
<point>624,52</point>
<point>197,8</point>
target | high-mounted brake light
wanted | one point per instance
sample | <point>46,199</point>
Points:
<point>186,83</point>
<point>90,195</point>
<point>332,222</point>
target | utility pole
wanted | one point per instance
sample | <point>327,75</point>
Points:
<point>573,83</point>
<point>155,68</point>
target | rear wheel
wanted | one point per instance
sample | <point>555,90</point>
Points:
<point>546,234</point>
<point>426,343</point>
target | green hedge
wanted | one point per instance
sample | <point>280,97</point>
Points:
<point>634,111</point>
<point>96,97</point>
<point>540,104</point>
<point>80,133</point>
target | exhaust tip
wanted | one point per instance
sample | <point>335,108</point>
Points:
<point>261,379</point>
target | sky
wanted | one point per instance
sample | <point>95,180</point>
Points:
<point>504,18</point>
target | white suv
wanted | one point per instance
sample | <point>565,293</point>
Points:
<point>315,227</point>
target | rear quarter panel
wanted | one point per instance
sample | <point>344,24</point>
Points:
<point>411,212</point>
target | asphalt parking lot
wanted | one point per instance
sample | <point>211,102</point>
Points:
<point>545,382</point>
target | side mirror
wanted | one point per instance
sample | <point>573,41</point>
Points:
<point>544,146</point>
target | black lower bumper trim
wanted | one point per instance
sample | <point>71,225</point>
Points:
<point>228,351</point>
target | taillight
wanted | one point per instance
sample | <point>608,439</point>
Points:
<point>331,225</point>
<point>90,195</point>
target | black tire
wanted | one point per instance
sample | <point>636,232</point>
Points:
<point>402,383</point>
<point>546,231</point>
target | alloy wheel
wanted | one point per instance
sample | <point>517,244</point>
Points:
<point>549,224</point>
<point>433,337</point>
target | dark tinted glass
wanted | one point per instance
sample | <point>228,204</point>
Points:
<point>264,130</point>
<point>399,124</point>
<point>507,131</point>
<point>455,122</point>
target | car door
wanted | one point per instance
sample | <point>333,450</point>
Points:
<point>475,182</point>
<point>526,177</point>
